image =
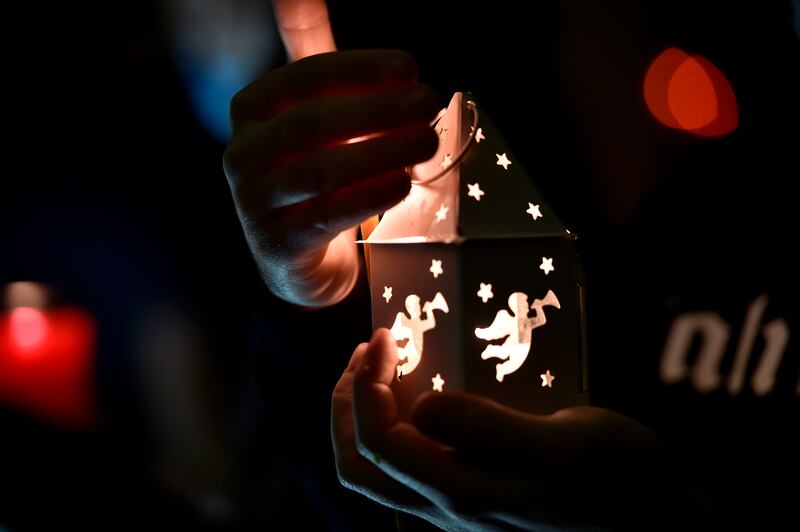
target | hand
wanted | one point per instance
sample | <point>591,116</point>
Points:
<point>299,187</point>
<point>467,463</point>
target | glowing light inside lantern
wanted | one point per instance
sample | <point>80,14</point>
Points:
<point>547,265</point>
<point>447,161</point>
<point>534,211</point>
<point>436,268</point>
<point>441,214</point>
<point>516,329</point>
<point>475,191</point>
<point>408,331</point>
<point>503,161</point>
<point>485,292</point>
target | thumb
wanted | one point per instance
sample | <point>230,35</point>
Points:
<point>304,26</point>
<point>477,425</point>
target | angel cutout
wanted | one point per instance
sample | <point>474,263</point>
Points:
<point>517,328</point>
<point>408,331</point>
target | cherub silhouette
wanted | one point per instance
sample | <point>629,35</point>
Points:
<point>408,331</point>
<point>517,328</point>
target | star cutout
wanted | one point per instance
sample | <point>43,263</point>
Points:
<point>441,214</point>
<point>546,266</point>
<point>534,211</point>
<point>485,292</point>
<point>438,382</point>
<point>446,162</point>
<point>547,379</point>
<point>479,135</point>
<point>387,293</point>
<point>503,161</point>
<point>436,268</point>
<point>475,191</point>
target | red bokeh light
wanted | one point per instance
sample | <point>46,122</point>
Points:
<point>689,93</point>
<point>27,329</point>
<point>47,363</point>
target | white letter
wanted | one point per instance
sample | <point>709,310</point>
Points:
<point>715,333</point>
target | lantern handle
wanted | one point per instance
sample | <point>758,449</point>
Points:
<point>461,153</point>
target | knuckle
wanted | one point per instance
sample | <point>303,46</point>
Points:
<point>311,174</point>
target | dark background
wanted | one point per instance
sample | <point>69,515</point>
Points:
<point>113,196</point>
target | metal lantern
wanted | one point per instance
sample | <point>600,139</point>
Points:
<point>477,278</point>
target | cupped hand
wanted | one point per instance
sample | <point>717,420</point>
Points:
<point>468,463</point>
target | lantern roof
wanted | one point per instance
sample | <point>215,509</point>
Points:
<point>472,188</point>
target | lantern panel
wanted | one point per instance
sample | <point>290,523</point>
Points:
<point>423,313</point>
<point>530,326</point>
<point>477,278</point>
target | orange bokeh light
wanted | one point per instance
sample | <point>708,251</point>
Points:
<point>689,93</point>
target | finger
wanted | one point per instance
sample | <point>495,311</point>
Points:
<point>345,383</point>
<point>336,167</point>
<point>478,426</point>
<point>340,73</point>
<point>304,26</point>
<point>372,380</point>
<point>307,226</point>
<point>404,453</point>
<point>329,121</point>
<point>355,472</point>
<point>356,358</point>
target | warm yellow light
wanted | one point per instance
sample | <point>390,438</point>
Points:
<point>408,331</point>
<point>516,328</point>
